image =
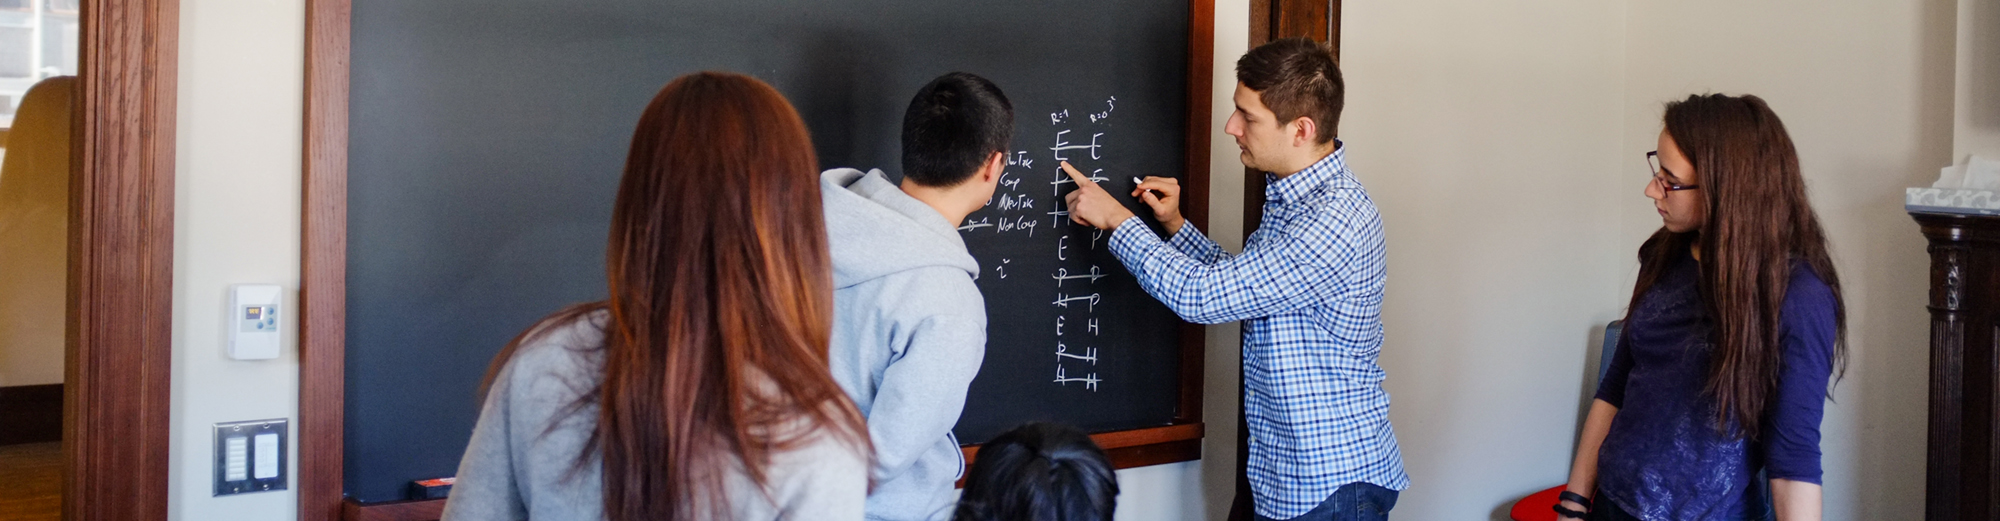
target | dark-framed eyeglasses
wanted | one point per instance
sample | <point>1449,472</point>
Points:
<point>1661,175</point>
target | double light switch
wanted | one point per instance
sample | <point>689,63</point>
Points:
<point>250,456</point>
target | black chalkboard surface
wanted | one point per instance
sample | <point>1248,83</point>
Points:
<point>487,139</point>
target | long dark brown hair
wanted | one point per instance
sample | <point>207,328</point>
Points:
<point>1759,223</point>
<point>721,303</point>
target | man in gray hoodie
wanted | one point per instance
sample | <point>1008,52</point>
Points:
<point>909,325</point>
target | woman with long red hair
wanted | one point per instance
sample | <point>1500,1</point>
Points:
<point>700,388</point>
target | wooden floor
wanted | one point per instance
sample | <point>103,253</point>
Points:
<point>31,482</point>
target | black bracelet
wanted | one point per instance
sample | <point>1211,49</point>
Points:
<point>1573,497</point>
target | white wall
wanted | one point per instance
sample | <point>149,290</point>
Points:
<point>1865,89</point>
<point>237,205</point>
<point>1487,134</point>
<point>1976,120</point>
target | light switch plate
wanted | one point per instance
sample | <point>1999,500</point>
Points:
<point>250,456</point>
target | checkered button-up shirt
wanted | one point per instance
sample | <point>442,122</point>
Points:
<point>1308,288</point>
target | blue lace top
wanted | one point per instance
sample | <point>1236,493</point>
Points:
<point>1664,460</point>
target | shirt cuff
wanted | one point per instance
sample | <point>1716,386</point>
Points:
<point>1131,236</point>
<point>1187,238</point>
<point>1814,477</point>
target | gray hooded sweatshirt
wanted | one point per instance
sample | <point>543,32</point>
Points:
<point>909,333</point>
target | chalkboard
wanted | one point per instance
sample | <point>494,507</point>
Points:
<point>487,138</point>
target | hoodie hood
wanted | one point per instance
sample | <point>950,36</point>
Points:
<point>875,230</point>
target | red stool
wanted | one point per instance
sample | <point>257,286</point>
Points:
<point>1539,506</point>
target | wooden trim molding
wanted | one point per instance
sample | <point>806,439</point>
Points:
<point>119,350</point>
<point>1132,444</point>
<point>1194,206</point>
<point>323,286</point>
<point>1273,20</point>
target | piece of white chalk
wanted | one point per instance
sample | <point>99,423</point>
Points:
<point>1136,181</point>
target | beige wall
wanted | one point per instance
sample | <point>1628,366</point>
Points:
<point>237,204</point>
<point>1976,120</point>
<point>1488,135</point>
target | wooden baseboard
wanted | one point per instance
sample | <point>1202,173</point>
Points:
<point>1138,447</point>
<point>33,413</point>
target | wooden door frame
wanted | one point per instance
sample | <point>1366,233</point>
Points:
<point>119,321</point>
<point>1272,20</point>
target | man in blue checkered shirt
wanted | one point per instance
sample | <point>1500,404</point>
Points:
<point>1308,288</point>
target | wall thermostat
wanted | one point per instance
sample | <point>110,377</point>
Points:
<point>253,321</point>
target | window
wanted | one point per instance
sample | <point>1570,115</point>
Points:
<point>38,40</point>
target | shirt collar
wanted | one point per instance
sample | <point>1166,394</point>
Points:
<point>1296,186</point>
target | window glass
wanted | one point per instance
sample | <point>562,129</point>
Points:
<point>38,40</point>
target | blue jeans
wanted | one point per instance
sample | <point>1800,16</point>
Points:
<point>1351,502</point>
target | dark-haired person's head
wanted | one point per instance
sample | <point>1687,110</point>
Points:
<point>956,129</point>
<point>1039,472</point>
<point>1288,100</point>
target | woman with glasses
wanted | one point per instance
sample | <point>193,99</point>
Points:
<point>1712,406</point>
<point>699,388</point>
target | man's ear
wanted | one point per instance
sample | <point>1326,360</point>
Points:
<point>1305,132</point>
<point>995,165</point>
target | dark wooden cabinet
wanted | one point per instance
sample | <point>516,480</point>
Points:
<point>1965,366</point>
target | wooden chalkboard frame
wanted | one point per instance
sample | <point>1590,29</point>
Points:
<point>323,282</point>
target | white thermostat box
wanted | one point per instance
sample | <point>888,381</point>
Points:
<point>253,321</point>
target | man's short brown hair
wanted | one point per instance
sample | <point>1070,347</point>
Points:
<point>1296,77</point>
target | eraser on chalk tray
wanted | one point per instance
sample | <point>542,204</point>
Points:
<point>431,488</point>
